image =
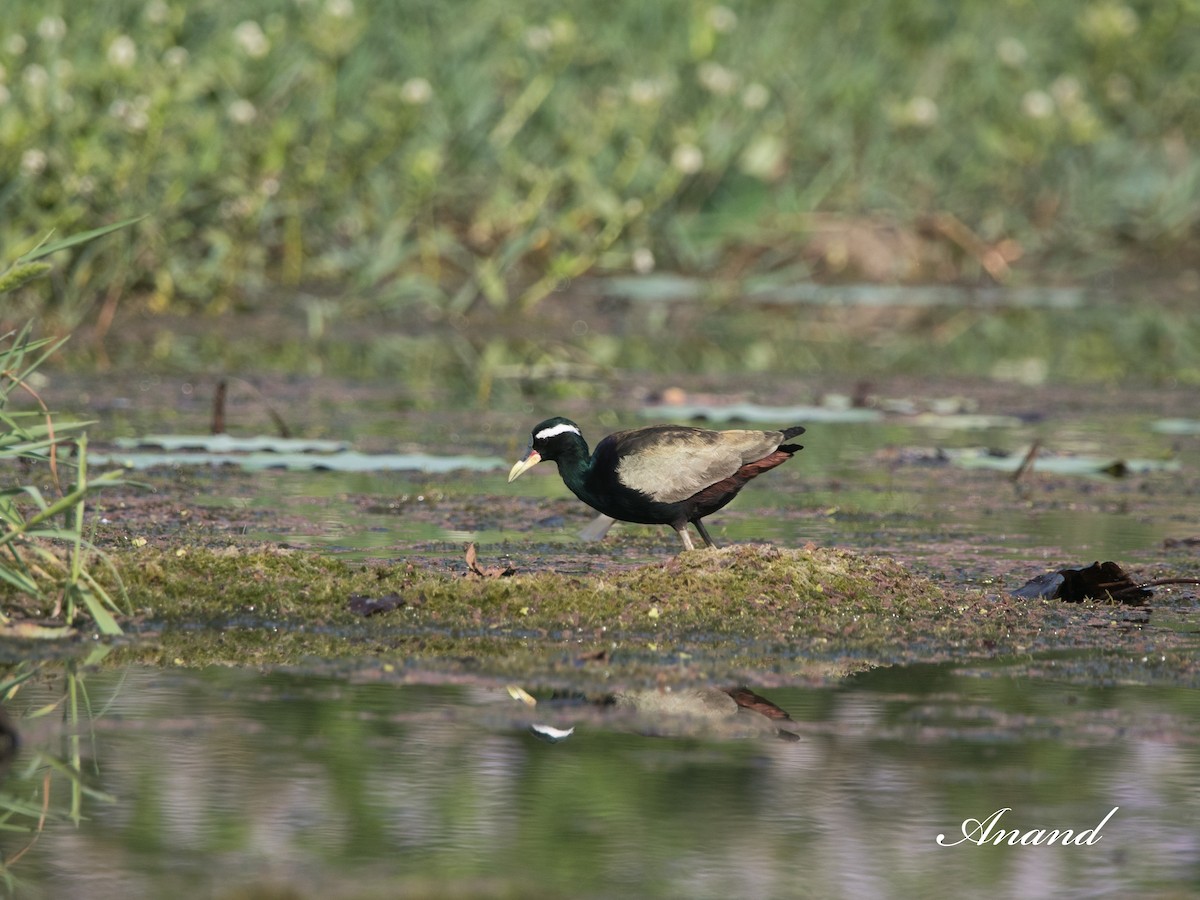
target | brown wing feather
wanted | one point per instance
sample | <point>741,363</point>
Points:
<point>672,463</point>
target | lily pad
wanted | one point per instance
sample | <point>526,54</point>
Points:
<point>665,287</point>
<point>345,461</point>
<point>753,412</point>
<point>962,421</point>
<point>659,287</point>
<point>981,458</point>
<point>227,443</point>
<point>1176,426</point>
<point>890,295</point>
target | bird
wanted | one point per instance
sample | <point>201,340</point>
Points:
<point>661,474</point>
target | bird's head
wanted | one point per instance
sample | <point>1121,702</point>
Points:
<point>550,439</point>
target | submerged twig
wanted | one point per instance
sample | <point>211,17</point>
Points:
<point>1027,463</point>
<point>218,419</point>
<point>218,409</point>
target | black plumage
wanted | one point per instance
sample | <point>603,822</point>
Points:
<point>661,475</point>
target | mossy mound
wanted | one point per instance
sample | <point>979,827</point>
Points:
<point>748,607</point>
<point>751,613</point>
<point>744,589</point>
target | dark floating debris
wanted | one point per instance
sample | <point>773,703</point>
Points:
<point>1099,581</point>
<point>1176,543</point>
<point>1043,587</point>
<point>363,605</point>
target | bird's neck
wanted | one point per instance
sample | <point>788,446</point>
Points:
<point>574,463</point>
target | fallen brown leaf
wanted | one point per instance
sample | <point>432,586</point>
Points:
<point>475,570</point>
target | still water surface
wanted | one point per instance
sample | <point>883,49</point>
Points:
<point>227,783</point>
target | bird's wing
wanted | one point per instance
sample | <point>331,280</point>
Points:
<point>672,463</point>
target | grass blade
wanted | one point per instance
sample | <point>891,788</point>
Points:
<point>76,239</point>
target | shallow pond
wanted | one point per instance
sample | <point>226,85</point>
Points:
<point>231,783</point>
<point>937,490</point>
<point>369,780</point>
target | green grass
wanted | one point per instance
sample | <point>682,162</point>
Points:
<point>45,560</point>
<point>450,156</point>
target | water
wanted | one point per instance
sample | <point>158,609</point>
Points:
<point>227,783</point>
<point>356,780</point>
<point>877,486</point>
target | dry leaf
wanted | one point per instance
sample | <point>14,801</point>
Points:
<point>475,570</point>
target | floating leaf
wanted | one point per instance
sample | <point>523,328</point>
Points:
<point>346,461</point>
<point>663,287</point>
<point>981,458</point>
<point>225,443</point>
<point>1176,426</point>
<point>963,421</point>
<point>753,412</point>
<point>773,291</point>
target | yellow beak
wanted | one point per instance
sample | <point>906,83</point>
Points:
<point>532,458</point>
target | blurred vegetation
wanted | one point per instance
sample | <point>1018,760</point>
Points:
<point>449,157</point>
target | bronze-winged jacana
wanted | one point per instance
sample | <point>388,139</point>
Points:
<point>661,475</point>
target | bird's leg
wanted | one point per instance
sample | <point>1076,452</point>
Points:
<point>684,536</point>
<point>704,534</point>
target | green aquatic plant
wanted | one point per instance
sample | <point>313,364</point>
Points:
<point>45,559</point>
<point>458,158</point>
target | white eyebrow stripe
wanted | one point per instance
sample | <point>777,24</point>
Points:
<point>561,428</point>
